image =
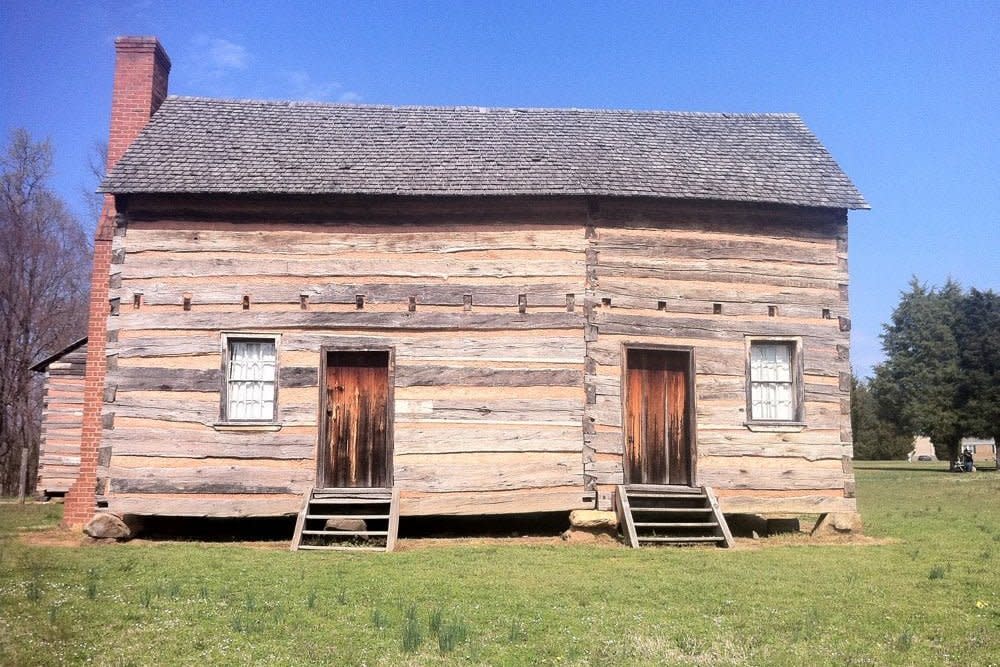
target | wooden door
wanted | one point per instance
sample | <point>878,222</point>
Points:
<point>356,450</point>
<point>659,447</point>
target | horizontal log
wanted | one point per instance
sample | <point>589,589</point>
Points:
<point>225,479</point>
<point>629,270</point>
<point>288,291</point>
<point>557,348</point>
<point>203,412</point>
<point>605,471</point>
<point>492,473</point>
<point>527,501</point>
<point>711,291</point>
<point>187,443</point>
<point>338,240</point>
<point>790,477</point>
<point>337,268</point>
<point>792,266</point>
<point>617,322</point>
<point>195,506</point>
<point>419,376</point>
<point>485,411</point>
<point>256,320</point>
<point>674,306</point>
<point>166,379</point>
<point>605,442</point>
<point>652,218</point>
<point>412,439</point>
<point>694,244</point>
<point>805,504</point>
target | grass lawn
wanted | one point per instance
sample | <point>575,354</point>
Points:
<point>923,592</point>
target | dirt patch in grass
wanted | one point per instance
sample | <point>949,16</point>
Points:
<point>54,537</point>
<point>59,537</point>
<point>806,540</point>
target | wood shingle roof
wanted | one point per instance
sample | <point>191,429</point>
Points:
<point>197,145</point>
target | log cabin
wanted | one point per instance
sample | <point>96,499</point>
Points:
<point>300,306</point>
<point>62,419</point>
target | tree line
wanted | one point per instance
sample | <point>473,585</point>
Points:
<point>45,255</point>
<point>940,377</point>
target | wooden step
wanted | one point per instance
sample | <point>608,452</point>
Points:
<point>321,504</point>
<point>383,517</point>
<point>347,533</point>
<point>671,513</point>
<point>680,540</point>
<point>675,510</point>
<point>707,524</point>
<point>319,547</point>
<point>356,490</point>
<point>661,488</point>
<point>666,496</point>
<point>349,501</point>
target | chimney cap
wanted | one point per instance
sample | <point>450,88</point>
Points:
<point>142,43</point>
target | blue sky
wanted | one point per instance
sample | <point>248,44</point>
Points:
<point>906,96</point>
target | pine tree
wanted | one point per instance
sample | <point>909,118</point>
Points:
<point>918,386</point>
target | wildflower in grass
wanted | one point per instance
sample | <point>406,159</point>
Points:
<point>982,604</point>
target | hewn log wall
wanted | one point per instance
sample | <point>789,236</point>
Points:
<point>507,318</point>
<point>659,274</point>
<point>62,417</point>
<point>485,317</point>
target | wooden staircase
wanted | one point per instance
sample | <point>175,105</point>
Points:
<point>376,511</point>
<point>668,514</point>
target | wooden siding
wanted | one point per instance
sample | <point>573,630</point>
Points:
<point>488,399</point>
<point>660,274</point>
<point>62,419</point>
<point>507,320</point>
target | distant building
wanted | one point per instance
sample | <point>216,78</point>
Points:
<point>983,450</point>
<point>922,446</point>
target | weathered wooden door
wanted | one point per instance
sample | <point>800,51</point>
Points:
<point>659,445</point>
<point>356,451</point>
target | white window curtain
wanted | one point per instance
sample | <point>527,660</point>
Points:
<point>771,382</point>
<point>250,385</point>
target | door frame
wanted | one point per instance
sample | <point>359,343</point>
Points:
<point>692,408</point>
<point>390,429</point>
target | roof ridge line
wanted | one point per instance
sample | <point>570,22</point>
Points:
<point>422,107</point>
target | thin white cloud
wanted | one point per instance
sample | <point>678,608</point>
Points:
<point>215,58</point>
<point>300,85</point>
<point>224,54</point>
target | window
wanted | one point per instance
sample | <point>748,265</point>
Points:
<point>774,382</point>
<point>251,373</point>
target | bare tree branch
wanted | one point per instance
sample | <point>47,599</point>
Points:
<point>44,263</point>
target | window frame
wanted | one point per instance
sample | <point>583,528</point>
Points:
<point>798,420</point>
<point>241,336</point>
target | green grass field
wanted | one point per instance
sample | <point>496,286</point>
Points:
<point>924,591</point>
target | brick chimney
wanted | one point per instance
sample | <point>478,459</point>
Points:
<point>141,71</point>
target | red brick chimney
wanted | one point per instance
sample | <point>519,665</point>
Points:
<point>141,71</point>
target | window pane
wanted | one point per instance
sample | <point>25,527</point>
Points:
<point>770,362</point>
<point>251,381</point>
<point>772,388</point>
